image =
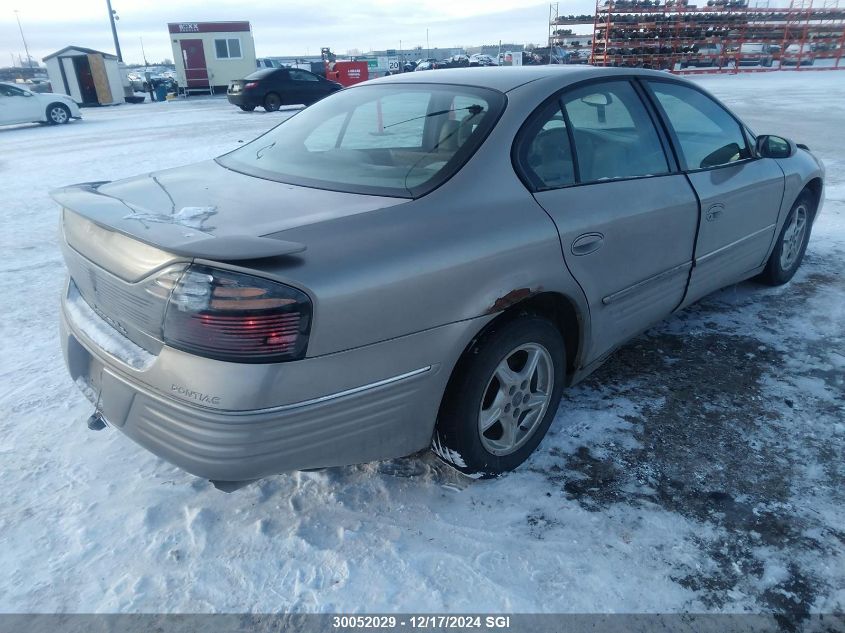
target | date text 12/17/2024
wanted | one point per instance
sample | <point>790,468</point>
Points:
<point>392,622</point>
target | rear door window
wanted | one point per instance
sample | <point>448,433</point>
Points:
<point>301,75</point>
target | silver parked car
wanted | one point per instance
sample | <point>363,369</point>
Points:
<point>416,262</point>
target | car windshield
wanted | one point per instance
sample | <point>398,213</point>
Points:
<point>394,140</point>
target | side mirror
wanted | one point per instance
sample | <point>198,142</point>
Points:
<point>769,146</point>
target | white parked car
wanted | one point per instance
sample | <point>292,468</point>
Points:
<point>803,54</point>
<point>480,59</point>
<point>19,105</point>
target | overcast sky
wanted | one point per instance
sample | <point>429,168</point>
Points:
<point>280,27</point>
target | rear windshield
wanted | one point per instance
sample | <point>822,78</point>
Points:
<point>264,72</point>
<point>392,139</point>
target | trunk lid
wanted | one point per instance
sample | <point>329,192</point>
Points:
<point>207,211</point>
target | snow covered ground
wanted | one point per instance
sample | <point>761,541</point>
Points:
<point>700,470</point>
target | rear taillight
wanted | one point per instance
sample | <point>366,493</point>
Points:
<point>250,84</point>
<point>236,317</point>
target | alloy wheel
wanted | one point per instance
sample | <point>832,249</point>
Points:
<point>793,238</point>
<point>516,399</point>
<point>58,114</point>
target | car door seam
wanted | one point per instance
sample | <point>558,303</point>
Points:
<point>694,254</point>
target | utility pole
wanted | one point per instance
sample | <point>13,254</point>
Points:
<point>112,18</point>
<point>25,47</point>
<point>427,47</point>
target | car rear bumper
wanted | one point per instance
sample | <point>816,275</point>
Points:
<point>246,99</point>
<point>376,419</point>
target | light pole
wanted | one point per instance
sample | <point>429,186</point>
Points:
<point>25,47</point>
<point>112,18</point>
<point>427,47</point>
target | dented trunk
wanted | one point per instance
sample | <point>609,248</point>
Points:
<point>210,212</point>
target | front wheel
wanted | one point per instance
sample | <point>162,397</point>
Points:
<point>792,243</point>
<point>502,398</point>
<point>247,108</point>
<point>58,113</point>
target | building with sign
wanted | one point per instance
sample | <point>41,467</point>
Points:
<point>90,77</point>
<point>208,55</point>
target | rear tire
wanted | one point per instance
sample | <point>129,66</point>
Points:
<point>58,113</point>
<point>792,242</point>
<point>247,108</point>
<point>502,397</point>
<point>272,102</point>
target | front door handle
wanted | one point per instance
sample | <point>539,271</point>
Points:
<point>587,243</point>
<point>714,212</point>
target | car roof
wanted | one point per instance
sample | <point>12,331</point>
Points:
<point>506,78</point>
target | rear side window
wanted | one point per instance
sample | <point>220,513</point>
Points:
<point>543,152</point>
<point>707,134</point>
<point>614,135</point>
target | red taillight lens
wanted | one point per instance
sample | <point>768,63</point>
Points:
<point>237,317</point>
<point>250,84</point>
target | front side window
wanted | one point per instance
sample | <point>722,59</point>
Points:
<point>708,136</point>
<point>399,140</point>
<point>229,48</point>
<point>614,135</point>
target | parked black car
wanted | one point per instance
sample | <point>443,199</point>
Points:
<point>271,88</point>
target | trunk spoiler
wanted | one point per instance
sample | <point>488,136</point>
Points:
<point>178,232</point>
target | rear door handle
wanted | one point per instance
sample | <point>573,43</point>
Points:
<point>587,243</point>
